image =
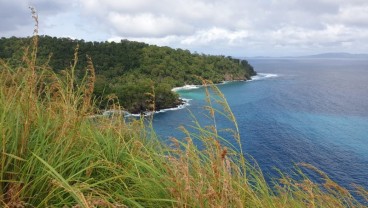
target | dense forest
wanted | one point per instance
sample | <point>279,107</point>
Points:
<point>137,74</point>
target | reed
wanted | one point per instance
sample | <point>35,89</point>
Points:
<point>54,154</point>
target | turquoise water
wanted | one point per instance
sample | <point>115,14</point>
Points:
<point>310,110</point>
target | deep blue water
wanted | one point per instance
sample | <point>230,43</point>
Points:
<point>313,111</point>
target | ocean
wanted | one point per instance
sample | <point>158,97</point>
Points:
<point>296,110</point>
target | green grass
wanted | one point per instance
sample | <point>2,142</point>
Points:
<point>53,154</point>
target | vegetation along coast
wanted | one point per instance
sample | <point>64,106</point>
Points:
<point>52,156</point>
<point>134,74</point>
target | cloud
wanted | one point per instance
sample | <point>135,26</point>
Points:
<point>214,35</point>
<point>212,26</point>
<point>16,16</point>
<point>192,16</point>
<point>13,14</point>
<point>49,8</point>
<point>356,15</point>
<point>164,17</point>
<point>146,24</point>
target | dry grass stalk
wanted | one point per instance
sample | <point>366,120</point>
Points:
<point>108,163</point>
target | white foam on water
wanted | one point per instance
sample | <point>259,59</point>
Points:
<point>186,102</point>
<point>261,76</point>
<point>184,105</point>
<point>227,82</point>
<point>148,113</point>
<point>185,87</point>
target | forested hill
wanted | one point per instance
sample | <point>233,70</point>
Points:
<point>129,69</point>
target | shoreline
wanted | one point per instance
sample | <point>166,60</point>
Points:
<point>258,76</point>
<point>126,114</point>
<point>192,87</point>
<point>184,104</point>
<point>185,87</point>
<point>185,101</point>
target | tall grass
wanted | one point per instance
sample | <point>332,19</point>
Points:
<point>53,154</point>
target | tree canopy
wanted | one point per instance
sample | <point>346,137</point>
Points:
<point>132,71</point>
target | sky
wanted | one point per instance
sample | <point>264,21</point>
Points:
<point>240,28</point>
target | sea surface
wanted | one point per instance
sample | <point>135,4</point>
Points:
<point>295,110</point>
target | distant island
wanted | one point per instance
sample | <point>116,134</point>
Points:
<point>337,55</point>
<point>135,73</point>
<point>320,56</point>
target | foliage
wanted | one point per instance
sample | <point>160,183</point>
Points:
<point>120,67</point>
<point>54,154</point>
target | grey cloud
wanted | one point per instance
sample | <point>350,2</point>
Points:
<point>270,26</point>
<point>316,7</point>
<point>285,24</point>
<point>191,15</point>
<point>356,15</point>
<point>47,7</point>
<point>13,14</point>
<point>16,16</point>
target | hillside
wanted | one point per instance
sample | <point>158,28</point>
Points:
<point>131,71</point>
<point>54,155</point>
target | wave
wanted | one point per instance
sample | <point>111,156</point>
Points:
<point>126,114</point>
<point>186,102</point>
<point>148,113</point>
<point>261,76</point>
<point>231,81</point>
<point>191,87</point>
<point>185,87</point>
<point>184,105</point>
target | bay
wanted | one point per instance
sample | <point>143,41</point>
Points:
<point>295,110</point>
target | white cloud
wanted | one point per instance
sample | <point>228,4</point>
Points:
<point>355,15</point>
<point>146,25</point>
<point>214,35</point>
<point>259,27</point>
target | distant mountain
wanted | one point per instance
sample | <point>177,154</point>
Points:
<point>320,56</point>
<point>336,55</point>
